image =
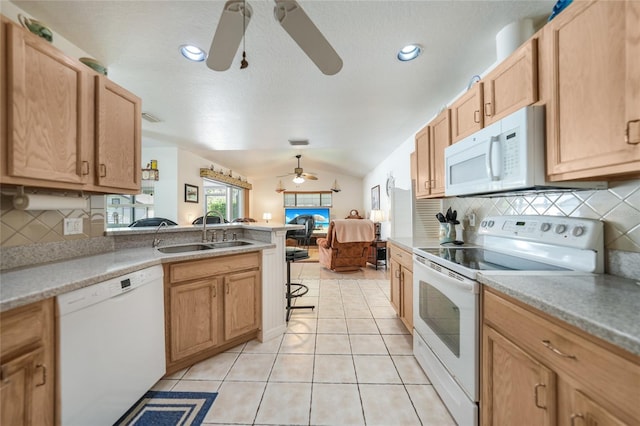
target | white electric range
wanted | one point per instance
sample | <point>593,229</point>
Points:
<point>446,293</point>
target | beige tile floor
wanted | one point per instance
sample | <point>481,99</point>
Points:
<point>347,362</point>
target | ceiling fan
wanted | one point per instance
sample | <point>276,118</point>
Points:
<point>300,175</point>
<point>235,19</point>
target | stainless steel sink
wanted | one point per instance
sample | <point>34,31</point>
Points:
<point>183,248</point>
<point>227,244</point>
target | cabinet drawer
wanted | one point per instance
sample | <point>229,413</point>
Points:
<point>601,373</point>
<point>196,269</point>
<point>22,327</point>
<point>401,256</point>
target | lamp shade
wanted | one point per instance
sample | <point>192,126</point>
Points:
<point>377,215</point>
<point>266,216</point>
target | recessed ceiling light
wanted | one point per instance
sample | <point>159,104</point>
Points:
<point>193,53</point>
<point>409,52</point>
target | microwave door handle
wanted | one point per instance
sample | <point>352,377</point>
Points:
<point>489,160</point>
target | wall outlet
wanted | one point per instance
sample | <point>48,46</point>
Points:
<point>73,226</point>
<point>472,219</point>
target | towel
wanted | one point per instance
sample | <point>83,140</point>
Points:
<point>353,230</point>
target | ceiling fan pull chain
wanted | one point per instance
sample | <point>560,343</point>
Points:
<point>244,64</point>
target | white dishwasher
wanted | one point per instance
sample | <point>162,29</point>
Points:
<point>111,346</point>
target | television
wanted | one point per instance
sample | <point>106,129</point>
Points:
<point>320,214</point>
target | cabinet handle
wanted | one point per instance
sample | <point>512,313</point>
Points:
<point>427,184</point>
<point>44,374</point>
<point>556,351</point>
<point>397,273</point>
<point>226,287</point>
<point>103,170</point>
<point>476,116</point>
<point>627,138</point>
<point>575,416</point>
<point>85,168</point>
<point>487,109</point>
<point>215,291</point>
<point>536,397</point>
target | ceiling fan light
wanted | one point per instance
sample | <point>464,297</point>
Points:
<point>193,53</point>
<point>298,180</point>
<point>409,52</point>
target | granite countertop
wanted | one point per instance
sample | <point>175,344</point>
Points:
<point>605,306</point>
<point>31,284</point>
<point>257,226</point>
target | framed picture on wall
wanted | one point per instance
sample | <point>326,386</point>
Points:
<point>375,198</point>
<point>190,193</point>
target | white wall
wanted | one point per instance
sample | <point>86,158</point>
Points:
<point>264,198</point>
<point>165,199</point>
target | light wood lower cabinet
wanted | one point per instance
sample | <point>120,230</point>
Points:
<point>401,268</point>
<point>210,306</point>
<point>538,368</point>
<point>27,365</point>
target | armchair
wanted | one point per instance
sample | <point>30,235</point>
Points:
<point>347,244</point>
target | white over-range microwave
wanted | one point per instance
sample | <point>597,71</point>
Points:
<point>506,156</point>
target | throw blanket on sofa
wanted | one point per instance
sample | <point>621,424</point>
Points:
<point>353,230</point>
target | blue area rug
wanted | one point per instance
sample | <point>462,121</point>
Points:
<point>169,409</point>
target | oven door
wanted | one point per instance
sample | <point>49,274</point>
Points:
<point>446,315</point>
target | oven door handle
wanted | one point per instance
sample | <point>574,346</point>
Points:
<point>451,277</point>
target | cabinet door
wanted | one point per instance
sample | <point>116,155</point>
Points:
<point>118,137</point>
<point>589,413</point>
<point>241,303</point>
<point>593,118</point>
<point>193,318</point>
<point>423,164</point>
<point>466,113</point>
<point>20,379</point>
<point>47,111</point>
<point>515,386</point>
<point>407,298</point>
<point>513,84</point>
<point>440,139</point>
<point>396,276</point>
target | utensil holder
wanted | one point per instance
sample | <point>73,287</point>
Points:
<point>447,233</point>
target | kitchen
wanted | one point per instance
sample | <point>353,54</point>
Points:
<point>617,206</point>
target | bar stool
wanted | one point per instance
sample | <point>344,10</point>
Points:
<point>295,289</point>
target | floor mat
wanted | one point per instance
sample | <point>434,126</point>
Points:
<point>169,409</point>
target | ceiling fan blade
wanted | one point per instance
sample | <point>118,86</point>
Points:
<point>309,176</point>
<point>304,32</point>
<point>228,34</point>
<point>288,174</point>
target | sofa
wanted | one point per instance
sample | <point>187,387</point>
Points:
<point>346,246</point>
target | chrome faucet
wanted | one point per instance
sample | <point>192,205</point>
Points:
<point>156,241</point>
<point>204,223</point>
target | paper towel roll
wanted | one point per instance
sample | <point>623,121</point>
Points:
<point>512,36</point>
<point>48,202</point>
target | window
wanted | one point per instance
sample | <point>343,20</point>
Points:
<point>122,210</point>
<point>223,198</point>
<point>308,199</point>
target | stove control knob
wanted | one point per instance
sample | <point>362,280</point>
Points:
<point>578,231</point>
<point>560,229</point>
<point>545,226</point>
<point>483,224</point>
<point>490,224</point>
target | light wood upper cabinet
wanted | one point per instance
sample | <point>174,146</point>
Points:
<point>423,163</point>
<point>64,126</point>
<point>429,148</point>
<point>27,365</point>
<point>47,110</point>
<point>440,139</point>
<point>593,115</point>
<point>118,136</point>
<point>466,113</point>
<point>513,84</point>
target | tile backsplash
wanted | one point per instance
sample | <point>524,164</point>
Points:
<point>618,207</point>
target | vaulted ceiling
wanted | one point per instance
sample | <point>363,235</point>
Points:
<point>243,119</point>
